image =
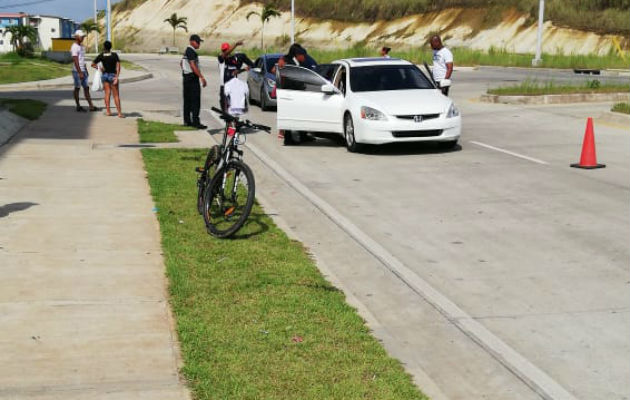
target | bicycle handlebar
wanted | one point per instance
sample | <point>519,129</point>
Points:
<point>247,123</point>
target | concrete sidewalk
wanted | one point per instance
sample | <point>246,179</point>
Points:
<point>83,300</point>
<point>66,82</point>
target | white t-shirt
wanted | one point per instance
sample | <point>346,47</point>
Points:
<point>440,59</point>
<point>78,51</point>
<point>238,92</point>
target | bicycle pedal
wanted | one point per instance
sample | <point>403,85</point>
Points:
<point>199,170</point>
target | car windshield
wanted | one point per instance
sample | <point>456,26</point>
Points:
<point>377,78</point>
<point>270,62</point>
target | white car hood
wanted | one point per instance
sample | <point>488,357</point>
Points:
<point>406,102</point>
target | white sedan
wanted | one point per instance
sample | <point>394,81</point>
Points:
<point>367,101</point>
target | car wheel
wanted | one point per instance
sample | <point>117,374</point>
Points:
<point>348,132</point>
<point>263,100</point>
<point>450,145</point>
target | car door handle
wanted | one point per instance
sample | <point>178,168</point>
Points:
<point>285,98</point>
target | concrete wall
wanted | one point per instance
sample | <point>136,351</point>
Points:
<point>47,29</point>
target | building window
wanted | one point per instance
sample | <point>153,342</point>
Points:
<point>52,30</point>
<point>1,42</point>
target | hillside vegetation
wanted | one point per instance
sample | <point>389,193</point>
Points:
<point>603,16</point>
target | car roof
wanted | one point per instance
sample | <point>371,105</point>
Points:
<point>272,55</point>
<point>372,61</point>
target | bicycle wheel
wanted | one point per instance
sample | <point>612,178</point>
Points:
<point>229,199</point>
<point>209,168</point>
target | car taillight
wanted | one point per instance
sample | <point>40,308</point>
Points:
<point>273,93</point>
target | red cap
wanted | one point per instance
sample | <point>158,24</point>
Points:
<point>225,47</point>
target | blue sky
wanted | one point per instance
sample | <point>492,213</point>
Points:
<point>78,10</point>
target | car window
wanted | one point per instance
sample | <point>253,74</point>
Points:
<point>270,62</point>
<point>340,80</point>
<point>327,70</point>
<point>387,77</point>
<point>298,78</point>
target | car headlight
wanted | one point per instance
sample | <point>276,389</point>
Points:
<point>372,114</point>
<point>271,83</point>
<point>452,111</point>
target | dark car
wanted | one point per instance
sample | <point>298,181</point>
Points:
<point>262,82</point>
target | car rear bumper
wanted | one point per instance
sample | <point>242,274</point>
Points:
<point>381,132</point>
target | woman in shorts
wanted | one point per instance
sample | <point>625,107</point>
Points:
<point>111,72</point>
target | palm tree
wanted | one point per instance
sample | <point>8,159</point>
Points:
<point>89,26</point>
<point>177,22</point>
<point>20,35</point>
<point>268,11</point>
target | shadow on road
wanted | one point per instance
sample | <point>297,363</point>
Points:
<point>404,149</point>
<point>11,208</point>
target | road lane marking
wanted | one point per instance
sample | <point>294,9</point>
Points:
<point>521,367</point>
<point>487,146</point>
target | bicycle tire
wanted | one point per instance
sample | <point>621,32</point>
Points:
<point>223,215</point>
<point>209,168</point>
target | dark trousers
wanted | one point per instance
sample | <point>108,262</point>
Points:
<point>222,99</point>
<point>192,99</point>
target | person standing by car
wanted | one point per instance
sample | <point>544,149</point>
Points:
<point>226,51</point>
<point>385,52</point>
<point>192,77</point>
<point>297,55</point>
<point>79,71</point>
<point>442,63</point>
<point>236,93</point>
<point>111,74</point>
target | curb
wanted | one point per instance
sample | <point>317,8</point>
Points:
<point>10,125</point>
<point>615,118</point>
<point>44,85</point>
<point>555,98</point>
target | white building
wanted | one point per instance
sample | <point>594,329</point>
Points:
<point>48,28</point>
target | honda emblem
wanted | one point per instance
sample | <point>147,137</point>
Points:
<point>417,118</point>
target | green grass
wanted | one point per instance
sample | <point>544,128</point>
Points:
<point>159,132</point>
<point>534,88</point>
<point>621,108</point>
<point>464,57</point>
<point>15,69</point>
<point>29,109</point>
<point>240,303</point>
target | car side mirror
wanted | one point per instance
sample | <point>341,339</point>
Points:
<point>329,89</point>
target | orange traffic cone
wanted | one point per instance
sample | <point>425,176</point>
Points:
<point>589,158</point>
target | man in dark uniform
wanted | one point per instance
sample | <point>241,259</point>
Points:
<point>192,88</point>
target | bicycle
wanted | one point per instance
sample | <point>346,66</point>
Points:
<point>226,186</point>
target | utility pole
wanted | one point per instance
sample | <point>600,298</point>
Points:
<point>109,20</point>
<point>292,21</point>
<point>541,19</point>
<point>96,22</point>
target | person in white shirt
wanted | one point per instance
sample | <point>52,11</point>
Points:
<point>80,71</point>
<point>236,93</point>
<point>442,62</point>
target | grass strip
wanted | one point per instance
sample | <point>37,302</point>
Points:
<point>29,109</point>
<point>159,132</point>
<point>255,317</point>
<point>535,88</point>
<point>623,108</point>
<point>463,57</point>
<point>15,69</point>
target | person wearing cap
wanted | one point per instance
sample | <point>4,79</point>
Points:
<point>192,89</point>
<point>385,52</point>
<point>226,50</point>
<point>79,71</point>
<point>229,64</point>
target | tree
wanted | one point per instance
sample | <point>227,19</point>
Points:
<point>89,26</point>
<point>22,38</point>
<point>268,11</point>
<point>177,22</point>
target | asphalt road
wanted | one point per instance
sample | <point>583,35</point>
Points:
<point>532,250</point>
